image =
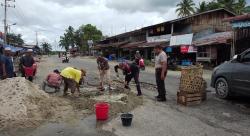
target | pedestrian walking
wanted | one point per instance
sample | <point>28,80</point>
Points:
<point>104,71</point>
<point>72,78</point>
<point>130,71</point>
<point>7,60</point>
<point>160,72</point>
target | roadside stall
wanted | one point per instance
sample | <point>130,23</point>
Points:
<point>181,51</point>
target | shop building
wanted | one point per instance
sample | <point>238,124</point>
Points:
<point>241,33</point>
<point>199,37</point>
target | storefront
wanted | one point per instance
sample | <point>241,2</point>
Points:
<point>181,51</point>
<point>241,33</point>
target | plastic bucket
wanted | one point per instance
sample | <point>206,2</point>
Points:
<point>29,71</point>
<point>127,119</point>
<point>102,111</point>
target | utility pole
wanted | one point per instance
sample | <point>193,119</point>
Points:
<point>36,39</point>
<point>6,5</point>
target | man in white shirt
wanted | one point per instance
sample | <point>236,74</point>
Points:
<point>160,72</point>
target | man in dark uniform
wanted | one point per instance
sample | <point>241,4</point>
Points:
<point>130,71</point>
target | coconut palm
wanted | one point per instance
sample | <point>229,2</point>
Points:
<point>185,8</point>
<point>227,4</point>
<point>202,7</point>
<point>240,7</point>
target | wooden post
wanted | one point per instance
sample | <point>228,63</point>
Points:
<point>172,28</point>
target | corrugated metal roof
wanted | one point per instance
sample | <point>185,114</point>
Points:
<point>238,18</point>
<point>197,14</point>
<point>216,38</point>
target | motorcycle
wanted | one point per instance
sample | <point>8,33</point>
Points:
<point>65,60</point>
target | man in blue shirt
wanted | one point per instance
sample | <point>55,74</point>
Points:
<point>8,63</point>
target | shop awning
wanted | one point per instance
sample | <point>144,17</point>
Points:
<point>13,49</point>
<point>216,38</point>
<point>133,45</point>
<point>143,44</point>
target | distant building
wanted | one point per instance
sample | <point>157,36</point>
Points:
<point>199,37</point>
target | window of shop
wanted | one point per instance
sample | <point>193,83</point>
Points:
<point>202,52</point>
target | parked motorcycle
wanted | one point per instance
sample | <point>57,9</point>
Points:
<point>65,60</point>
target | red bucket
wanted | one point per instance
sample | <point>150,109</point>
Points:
<point>29,71</point>
<point>102,111</point>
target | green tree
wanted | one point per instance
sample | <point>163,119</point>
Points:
<point>15,39</point>
<point>236,6</point>
<point>80,37</point>
<point>246,9</point>
<point>240,7</point>
<point>213,5</point>
<point>185,8</point>
<point>46,47</point>
<point>67,40</point>
<point>227,4</point>
<point>202,7</point>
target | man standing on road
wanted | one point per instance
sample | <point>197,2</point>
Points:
<point>103,67</point>
<point>72,78</point>
<point>26,61</point>
<point>160,72</point>
<point>7,60</point>
<point>130,71</point>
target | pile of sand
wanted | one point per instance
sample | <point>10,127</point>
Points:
<point>24,105</point>
<point>23,101</point>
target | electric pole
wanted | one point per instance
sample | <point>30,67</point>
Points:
<point>36,39</point>
<point>6,5</point>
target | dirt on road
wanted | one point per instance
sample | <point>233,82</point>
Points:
<point>25,105</point>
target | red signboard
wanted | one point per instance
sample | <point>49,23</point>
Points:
<point>184,49</point>
<point>188,49</point>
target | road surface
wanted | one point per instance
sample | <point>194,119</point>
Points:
<point>212,117</point>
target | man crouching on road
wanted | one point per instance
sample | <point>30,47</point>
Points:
<point>72,79</point>
<point>53,80</point>
<point>130,71</point>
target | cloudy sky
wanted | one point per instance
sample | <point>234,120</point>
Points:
<point>50,17</point>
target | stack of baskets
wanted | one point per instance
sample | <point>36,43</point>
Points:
<point>192,86</point>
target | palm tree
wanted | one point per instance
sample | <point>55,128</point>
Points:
<point>202,7</point>
<point>227,4</point>
<point>185,8</point>
<point>240,7</point>
<point>46,48</point>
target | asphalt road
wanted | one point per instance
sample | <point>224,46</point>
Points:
<point>226,117</point>
<point>212,117</point>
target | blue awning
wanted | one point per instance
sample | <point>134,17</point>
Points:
<point>241,24</point>
<point>13,49</point>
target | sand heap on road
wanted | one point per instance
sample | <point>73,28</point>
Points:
<point>22,100</point>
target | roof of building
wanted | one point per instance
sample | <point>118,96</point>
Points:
<point>194,15</point>
<point>216,38</point>
<point>238,18</point>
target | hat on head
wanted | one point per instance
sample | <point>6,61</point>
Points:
<point>7,49</point>
<point>29,50</point>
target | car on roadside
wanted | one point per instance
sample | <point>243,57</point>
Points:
<point>232,77</point>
